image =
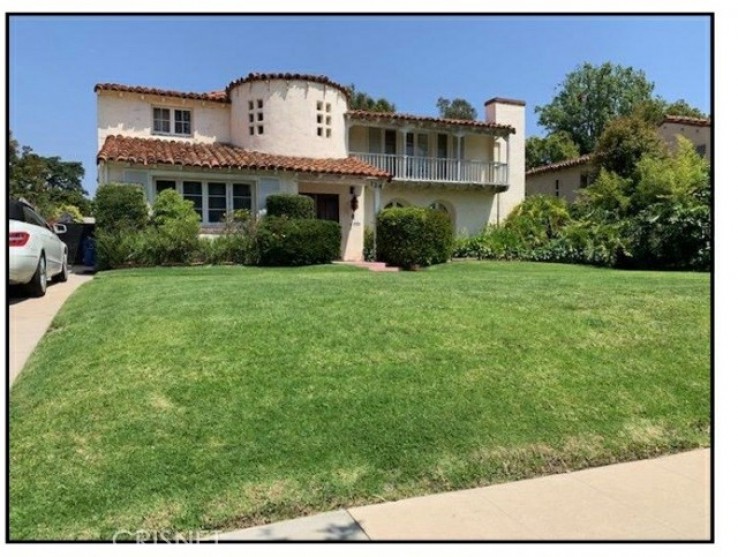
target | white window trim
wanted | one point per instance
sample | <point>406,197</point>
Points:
<point>171,110</point>
<point>205,181</point>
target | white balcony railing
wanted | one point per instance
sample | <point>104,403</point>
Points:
<point>429,169</point>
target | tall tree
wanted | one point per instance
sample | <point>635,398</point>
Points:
<point>590,97</point>
<point>457,109</point>
<point>540,151</point>
<point>624,143</point>
<point>362,101</point>
<point>46,182</point>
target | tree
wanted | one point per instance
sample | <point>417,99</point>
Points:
<point>590,97</point>
<point>457,109</point>
<point>46,182</point>
<point>654,110</point>
<point>362,101</point>
<point>540,151</point>
<point>624,142</point>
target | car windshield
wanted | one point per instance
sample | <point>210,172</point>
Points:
<point>15,211</point>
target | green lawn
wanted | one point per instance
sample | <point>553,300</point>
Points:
<point>216,398</point>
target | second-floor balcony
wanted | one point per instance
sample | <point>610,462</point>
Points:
<point>431,169</point>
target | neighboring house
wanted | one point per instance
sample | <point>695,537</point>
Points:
<point>566,178</point>
<point>270,133</point>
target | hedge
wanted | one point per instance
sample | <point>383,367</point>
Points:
<point>282,241</point>
<point>290,206</point>
<point>120,206</point>
<point>410,237</point>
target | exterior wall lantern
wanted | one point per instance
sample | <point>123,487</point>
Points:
<point>354,202</point>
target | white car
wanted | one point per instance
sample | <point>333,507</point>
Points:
<point>36,253</point>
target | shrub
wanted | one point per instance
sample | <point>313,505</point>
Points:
<point>369,252</point>
<point>120,206</point>
<point>538,219</point>
<point>282,241</point>
<point>119,248</point>
<point>290,206</point>
<point>409,237</point>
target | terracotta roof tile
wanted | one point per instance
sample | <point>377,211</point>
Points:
<point>559,165</point>
<point>135,150</point>
<point>254,76</point>
<point>215,96</point>
<point>687,120</point>
<point>384,116</point>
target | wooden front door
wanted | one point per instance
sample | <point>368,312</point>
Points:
<point>326,205</point>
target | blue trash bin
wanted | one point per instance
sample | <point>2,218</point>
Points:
<point>89,258</point>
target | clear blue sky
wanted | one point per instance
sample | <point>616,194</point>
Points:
<point>56,61</point>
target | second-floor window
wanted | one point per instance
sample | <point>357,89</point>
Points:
<point>172,121</point>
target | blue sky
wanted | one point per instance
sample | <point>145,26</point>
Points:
<point>56,61</point>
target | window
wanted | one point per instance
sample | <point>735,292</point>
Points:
<point>323,119</point>
<point>241,197</point>
<point>182,122</point>
<point>212,200</point>
<point>701,150</point>
<point>161,120</point>
<point>438,206</point>
<point>193,192</point>
<point>31,217</point>
<point>256,115</point>
<point>394,204</point>
<point>216,201</point>
<point>584,180</point>
<point>556,188</point>
<point>172,121</point>
<point>162,185</point>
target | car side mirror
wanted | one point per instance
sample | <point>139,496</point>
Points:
<point>60,229</point>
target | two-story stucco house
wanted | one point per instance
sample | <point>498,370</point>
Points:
<point>567,178</point>
<point>293,133</point>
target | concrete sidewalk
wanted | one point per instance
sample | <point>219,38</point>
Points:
<point>31,317</point>
<point>665,498</point>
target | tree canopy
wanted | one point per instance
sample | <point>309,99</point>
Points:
<point>46,182</point>
<point>362,101</point>
<point>540,151</point>
<point>590,97</point>
<point>457,109</point>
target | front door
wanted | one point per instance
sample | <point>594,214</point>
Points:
<point>326,205</point>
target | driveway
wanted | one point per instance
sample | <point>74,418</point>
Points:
<point>30,317</point>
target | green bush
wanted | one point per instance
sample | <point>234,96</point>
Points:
<point>369,252</point>
<point>282,241</point>
<point>120,206</point>
<point>538,219</point>
<point>409,237</point>
<point>173,237</point>
<point>119,248</point>
<point>290,206</point>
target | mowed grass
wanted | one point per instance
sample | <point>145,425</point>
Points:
<point>216,398</point>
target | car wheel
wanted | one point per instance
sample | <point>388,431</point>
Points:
<point>64,274</point>
<point>37,286</point>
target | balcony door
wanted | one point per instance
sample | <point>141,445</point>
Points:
<point>416,148</point>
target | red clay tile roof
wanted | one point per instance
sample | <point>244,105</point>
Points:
<point>254,76</point>
<point>215,96</point>
<point>559,165</point>
<point>136,150</point>
<point>367,115</point>
<point>687,120</point>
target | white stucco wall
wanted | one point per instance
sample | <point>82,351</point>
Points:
<point>471,210</point>
<point>698,135</point>
<point>290,118</point>
<point>132,115</point>
<point>514,115</point>
<point>569,182</point>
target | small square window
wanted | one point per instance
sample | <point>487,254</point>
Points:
<point>320,118</point>
<point>327,132</point>
<point>320,131</point>
<point>259,103</point>
<point>261,130</point>
<point>327,120</point>
<point>251,117</point>
<point>251,130</point>
<point>260,116</point>
<point>251,105</point>
<point>327,107</point>
<point>320,105</point>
